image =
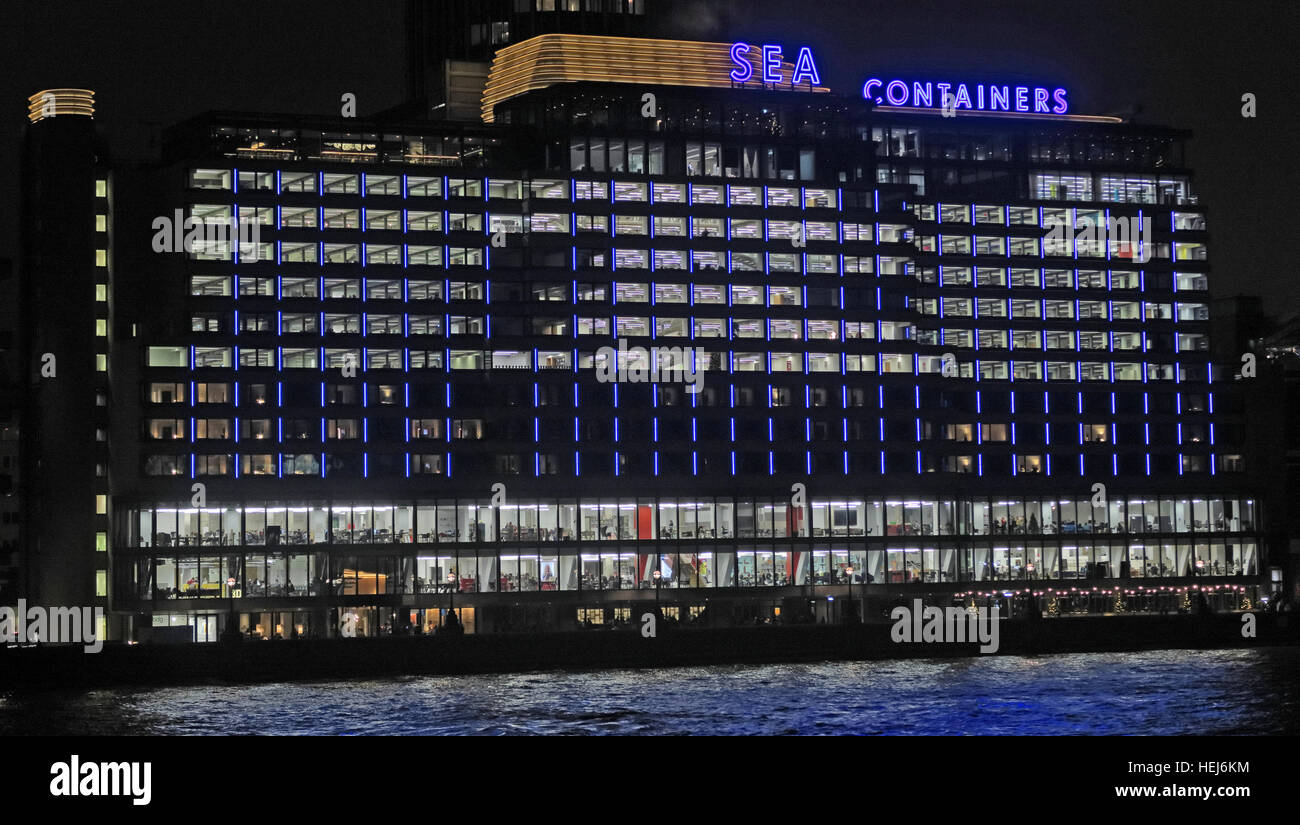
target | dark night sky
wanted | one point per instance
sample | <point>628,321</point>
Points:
<point>1186,63</point>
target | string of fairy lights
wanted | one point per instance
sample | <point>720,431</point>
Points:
<point>1119,603</point>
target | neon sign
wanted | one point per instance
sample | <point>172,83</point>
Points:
<point>986,98</point>
<point>805,68</point>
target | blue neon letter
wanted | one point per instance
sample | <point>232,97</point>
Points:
<point>805,67</point>
<point>771,61</point>
<point>744,69</point>
<point>1040,100</point>
<point>1061,106</point>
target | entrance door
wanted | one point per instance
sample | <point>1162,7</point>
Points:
<point>205,628</point>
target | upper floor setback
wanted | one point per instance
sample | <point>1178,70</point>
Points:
<point>765,136</point>
<point>596,164</point>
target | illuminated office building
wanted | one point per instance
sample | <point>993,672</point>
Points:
<point>391,391</point>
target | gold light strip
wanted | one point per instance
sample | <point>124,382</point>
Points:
<point>913,110</point>
<point>549,59</point>
<point>54,102</point>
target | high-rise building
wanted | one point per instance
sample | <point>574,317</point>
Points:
<point>65,321</point>
<point>670,320</point>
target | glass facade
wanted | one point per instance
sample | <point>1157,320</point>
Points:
<point>982,347</point>
<point>1047,332</point>
<point>274,549</point>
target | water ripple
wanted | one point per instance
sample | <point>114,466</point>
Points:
<point>1244,692</point>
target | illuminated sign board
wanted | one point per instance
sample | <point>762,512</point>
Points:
<point>805,68</point>
<point>765,64</point>
<point>977,97</point>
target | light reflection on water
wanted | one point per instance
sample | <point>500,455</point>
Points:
<point>1159,692</point>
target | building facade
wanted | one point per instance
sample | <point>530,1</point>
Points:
<point>65,326</point>
<point>671,323</point>
<point>10,455</point>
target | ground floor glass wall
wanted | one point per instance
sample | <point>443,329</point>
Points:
<point>461,521</point>
<point>283,573</point>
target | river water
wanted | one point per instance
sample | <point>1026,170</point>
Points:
<point>1244,692</point>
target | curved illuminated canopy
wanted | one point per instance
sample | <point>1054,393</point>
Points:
<point>54,102</point>
<point>549,59</point>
